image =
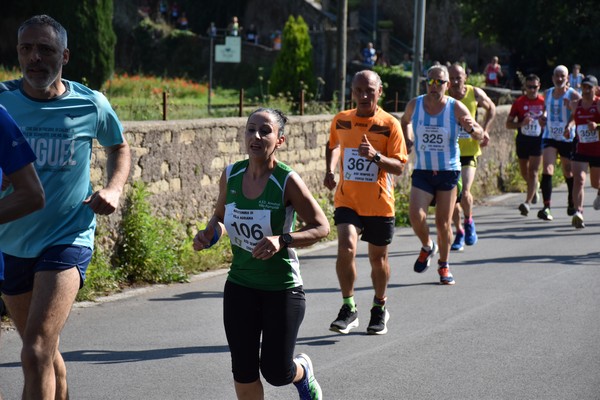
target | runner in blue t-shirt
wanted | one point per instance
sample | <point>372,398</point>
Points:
<point>43,272</point>
<point>24,193</point>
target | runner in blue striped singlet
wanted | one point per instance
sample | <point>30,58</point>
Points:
<point>434,121</point>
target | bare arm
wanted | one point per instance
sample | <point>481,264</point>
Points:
<point>388,164</point>
<point>27,196</point>
<point>406,124</point>
<point>464,118</point>
<point>316,225</point>
<point>106,200</point>
<point>488,105</point>
<point>204,238</point>
<point>512,122</point>
<point>332,157</point>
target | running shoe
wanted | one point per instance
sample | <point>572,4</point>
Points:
<point>524,208</point>
<point>308,388</point>
<point>577,220</point>
<point>346,320</point>
<point>596,204</point>
<point>470,233</point>
<point>378,323</point>
<point>422,262</point>
<point>459,242</point>
<point>544,214</point>
<point>446,277</point>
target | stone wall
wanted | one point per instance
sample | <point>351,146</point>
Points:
<point>181,161</point>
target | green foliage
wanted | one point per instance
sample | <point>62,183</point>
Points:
<point>216,257</point>
<point>395,80</point>
<point>101,278</point>
<point>402,195</point>
<point>92,39</point>
<point>148,246</point>
<point>293,68</point>
<point>546,33</point>
<point>477,80</point>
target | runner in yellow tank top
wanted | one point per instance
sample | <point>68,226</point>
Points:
<point>470,150</point>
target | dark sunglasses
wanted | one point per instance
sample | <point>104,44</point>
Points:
<point>437,82</point>
<point>531,86</point>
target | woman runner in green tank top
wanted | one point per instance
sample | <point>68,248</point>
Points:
<point>258,200</point>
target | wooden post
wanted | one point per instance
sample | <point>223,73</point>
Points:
<point>302,102</point>
<point>241,106</point>
<point>396,103</point>
<point>164,108</point>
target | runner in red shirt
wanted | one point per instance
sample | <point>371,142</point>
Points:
<point>527,117</point>
<point>586,117</point>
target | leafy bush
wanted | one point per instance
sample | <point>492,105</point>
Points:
<point>293,66</point>
<point>148,246</point>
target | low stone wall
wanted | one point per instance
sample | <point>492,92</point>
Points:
<point>182,161</point>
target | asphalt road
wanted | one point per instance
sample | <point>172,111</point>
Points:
<point>522,322</point>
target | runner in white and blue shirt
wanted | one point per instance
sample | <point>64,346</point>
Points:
<point>436,138</point>
<point>557,102</point>
<point>436,121</point>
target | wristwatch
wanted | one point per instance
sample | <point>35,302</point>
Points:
<point>286,239</point>
<point>377,157</point>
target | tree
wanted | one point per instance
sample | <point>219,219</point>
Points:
<point>92,39</point>
<point>545,33</point>
<point>293,69</point>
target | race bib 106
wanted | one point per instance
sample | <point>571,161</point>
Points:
<point>247,227</point>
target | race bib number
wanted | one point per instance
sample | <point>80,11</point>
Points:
<point>586,135</point>
<point>434,139</point>
<point>358,168</point>
<point>247,227</point>
<point>532,129</point>
<point>556,130</point>
<point>492,76</point>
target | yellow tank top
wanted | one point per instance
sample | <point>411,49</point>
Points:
<point>469,146</point>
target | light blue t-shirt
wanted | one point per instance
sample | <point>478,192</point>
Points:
<point>60,131</point>
<point>436,138</point>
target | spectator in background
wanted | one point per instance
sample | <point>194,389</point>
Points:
<point>493,72</point>
<point>252,34</point>
<point>575,78</point>
<point>212,30</point>
<point>233,29</point>
<point>182,22</point>
<point>407,62</point>
<point>369,55</point>
<point>276,37</point>
<point>163,10</point>
<point>174,13</point>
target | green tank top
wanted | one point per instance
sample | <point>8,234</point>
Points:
<point>247,221</point>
